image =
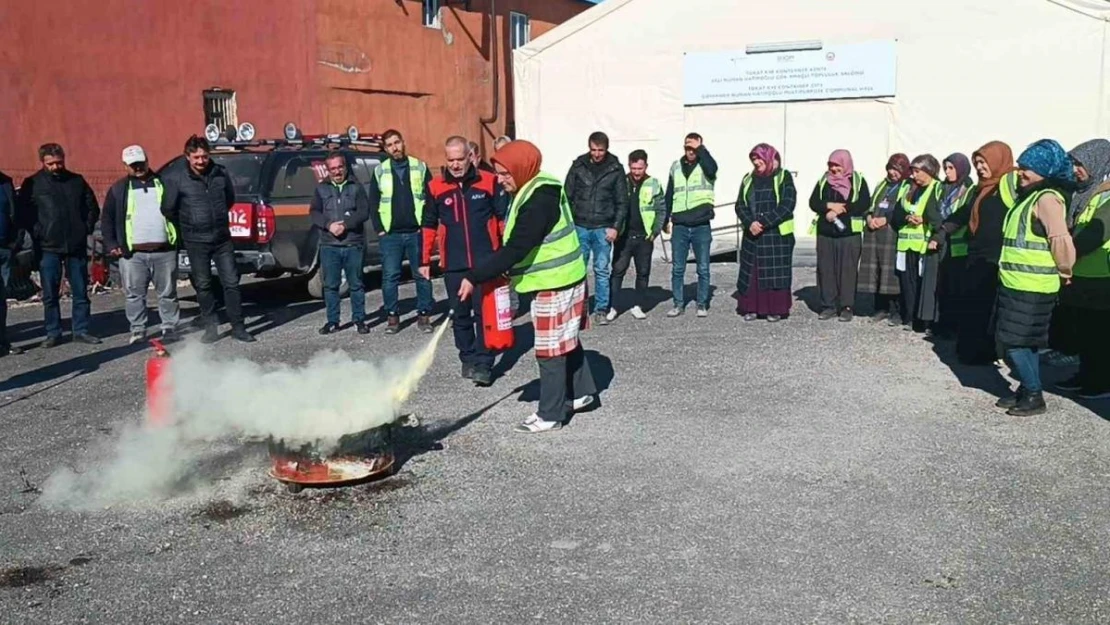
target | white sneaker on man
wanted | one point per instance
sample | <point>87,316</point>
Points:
<point>638,313</point>
<point>535,425</point>
<point>136,337</point>
<point>581,403</point>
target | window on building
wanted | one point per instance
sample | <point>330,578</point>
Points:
<point>520,29</point>
<point>431,13</point>
<point>219,108</point>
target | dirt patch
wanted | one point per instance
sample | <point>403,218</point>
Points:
<point>81,560</point>
<point>222,510</point>
<point>21,576</point>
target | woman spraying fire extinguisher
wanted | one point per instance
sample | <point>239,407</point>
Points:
<point>542,256</point>
<point>466,216</point>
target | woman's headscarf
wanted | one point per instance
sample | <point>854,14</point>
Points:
<point>901,163</point>
<point>1094,156</point>
<point>952,191</point>
<point>842,182</point>
<point>521,158</point>
<point>1000,160</point>
<point>768,155</point>
<point>1048,159</point>
<point>928,164</point>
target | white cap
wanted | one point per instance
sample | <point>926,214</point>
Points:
<point>134,154</point>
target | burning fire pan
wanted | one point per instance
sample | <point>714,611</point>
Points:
<point>358,458</point>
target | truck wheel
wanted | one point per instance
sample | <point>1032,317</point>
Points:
<point>316,285</point>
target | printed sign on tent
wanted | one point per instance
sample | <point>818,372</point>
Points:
<point>852,70</point>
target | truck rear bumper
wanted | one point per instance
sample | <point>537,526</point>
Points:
<point>247,261</point>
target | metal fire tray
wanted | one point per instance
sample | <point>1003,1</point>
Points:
<point>301,472</point>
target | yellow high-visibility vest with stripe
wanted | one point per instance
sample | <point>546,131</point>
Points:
<point>648,191</point>
<point>1008,189</point>
<point>786,227</point>
<point>1097,263</point>
<point>128,228</point>
<point>690,192</point>
<point>383,174</point>
<point>916,238</point>
<point>557,262</point>
<point>1026,263</point>
<point>857,222</point>
<point>957,242</point>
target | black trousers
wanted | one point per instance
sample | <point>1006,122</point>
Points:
<point>910,282</point>
<point>975,343</point>
<point>628,249</point>
<point>201,258</point>
<point>1094,350</point>
<point>563,378</point>
<point>838,270</point>
<point>466,323</point>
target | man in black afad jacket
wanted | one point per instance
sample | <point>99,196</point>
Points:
<point>597,190</point>
<point>197,200</point>
<point>8,241</point>
<point>60,211</point>
<point>339,211</point>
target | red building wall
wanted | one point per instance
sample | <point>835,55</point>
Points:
<point>97,76</point>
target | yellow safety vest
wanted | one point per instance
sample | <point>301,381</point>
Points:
<point>857,222</point>
<point>957,242</point>
<point>1097,263</point>
<point>383,174</point>
<point>649,190</point>
<point>171,231</point>
<point>692,192</point>
<point>1026,263</point>
<point>557,262</point>
<point>916,238</point>
<point>1008,189</point>
<point>786,227</point>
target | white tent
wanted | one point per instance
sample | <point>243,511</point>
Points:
<point>963,72</point>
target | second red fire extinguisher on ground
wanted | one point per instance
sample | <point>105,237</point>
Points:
<point>497,315</point>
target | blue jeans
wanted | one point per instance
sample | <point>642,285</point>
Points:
<point>395,248</point>
<point>50,272</point>
<point>1026,367</point>
<point>682,239</point>
<point>593,242</point>
<point>337,261</point>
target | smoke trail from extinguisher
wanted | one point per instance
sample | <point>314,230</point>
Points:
<point>217,401</point>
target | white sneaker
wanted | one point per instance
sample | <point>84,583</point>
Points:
<point>703,312</point>
<point>581,403</point>
<point>612,314</point>
<point>638,313</point>
<point>534,425</point>
<point>136,337</point>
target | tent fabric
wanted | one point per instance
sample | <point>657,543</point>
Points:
<point>618,67</point>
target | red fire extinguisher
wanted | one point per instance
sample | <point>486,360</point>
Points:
<point>497,315</point>
<point>158,392</point>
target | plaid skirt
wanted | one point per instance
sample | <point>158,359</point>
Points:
<point>876,265</point>
<point>558,317</point>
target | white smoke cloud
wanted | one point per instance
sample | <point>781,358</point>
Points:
<point>216,402</point>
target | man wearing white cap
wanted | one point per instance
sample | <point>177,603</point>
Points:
<point>136,232</point>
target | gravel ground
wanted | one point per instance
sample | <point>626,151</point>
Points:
<point>815,472</point>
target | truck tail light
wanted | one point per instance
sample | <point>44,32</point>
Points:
<point>265,222</point>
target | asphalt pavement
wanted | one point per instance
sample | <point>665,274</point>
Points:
<point>799,472</point>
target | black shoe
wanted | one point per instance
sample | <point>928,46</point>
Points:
<point>211,335</point>
<point>87,339</point>
<point>424,324</point>
<point>392,324</point>
<point>197,322</point>
<point>846,315</point>
<point>7,349</point>
<point>1029,405</point>
<point>1072,384</point>
<point>329,328</point>
<point>826,314</point>
<point>482,377</point>
<point>362,327</point>
<point>50,341</point>
<point>1012,400</point>
<point>241,335</point>
<point>169,336</point>
<point>467,371</point>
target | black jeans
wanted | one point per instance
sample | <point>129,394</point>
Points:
<point>5,272</point>
<point>837,270</point>
<point>466,324</point>
<point>201,258</point>
<point>563,378</point>
<point>910,282</point>
<point>628,249</point>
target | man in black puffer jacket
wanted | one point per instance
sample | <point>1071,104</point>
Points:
<point>197,200</point>
<point>60,211</point>
<point>597,189</point>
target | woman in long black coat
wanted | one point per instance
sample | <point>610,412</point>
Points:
<point>765,208</point>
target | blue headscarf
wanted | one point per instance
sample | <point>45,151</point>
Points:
<point>1048,158</point>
